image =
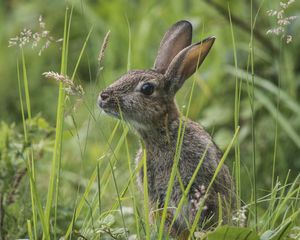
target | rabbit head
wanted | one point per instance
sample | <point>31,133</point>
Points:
<point>145,98</point>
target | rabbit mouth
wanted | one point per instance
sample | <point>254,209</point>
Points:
<point>109,108</point>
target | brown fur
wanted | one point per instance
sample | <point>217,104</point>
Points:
<point>156,119</point>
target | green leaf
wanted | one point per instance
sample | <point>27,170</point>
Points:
<point>232,233</point>
<point>278,233</point>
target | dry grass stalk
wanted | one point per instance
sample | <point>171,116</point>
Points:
<point>70,87</point>
<point>103,47</point>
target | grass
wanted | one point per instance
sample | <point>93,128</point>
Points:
<point>26,139</point>
<point>98,206</point>
<point>55,170</point>
<point>236,117</point>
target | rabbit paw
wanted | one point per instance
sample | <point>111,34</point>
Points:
<point>198,198</point>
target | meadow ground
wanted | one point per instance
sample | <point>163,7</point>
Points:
<point>67,170</point>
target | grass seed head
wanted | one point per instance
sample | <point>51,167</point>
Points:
<point>70,87</point>
<point>103,47</point>
<point>282,21</point>
<point>41,38</point>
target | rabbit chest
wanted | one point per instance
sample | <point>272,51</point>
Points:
<point>159,167</point>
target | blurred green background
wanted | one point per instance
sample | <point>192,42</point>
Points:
<point>141,24</point>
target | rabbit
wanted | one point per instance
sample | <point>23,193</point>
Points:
<point>145,99</point>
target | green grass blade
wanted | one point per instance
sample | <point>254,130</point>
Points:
<point>129,45</point>
<point>171,181</point>
<point>34,215</point>
<point>137,169</point>
<point>30,159</point>
<point>99,188</point>
<point>81,203</point>
<point>253,125</point>
<point>220,213</point>
<point>26,87</point>
<point>92,179</point>
<point>284,198</point>
<point>146,197</point>
<point>55,168</point>
<point>237,98</point>
<point>81,53</point>
<point>29,230</point>
<point>186,191</point>
<point>118,195</point>
<point>180,136</point>
<point>198,214</point>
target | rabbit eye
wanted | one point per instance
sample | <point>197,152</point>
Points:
<point>147,88</point>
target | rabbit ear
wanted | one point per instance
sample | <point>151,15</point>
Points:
<point>186,63</point>
<point>176,38</point>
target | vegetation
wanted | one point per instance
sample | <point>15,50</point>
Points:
<point>67,170</point>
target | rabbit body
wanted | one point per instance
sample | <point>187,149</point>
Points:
<point>145,99</point>
<point>196,142</point>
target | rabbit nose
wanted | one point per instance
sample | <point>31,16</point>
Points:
<point>104,96</point>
